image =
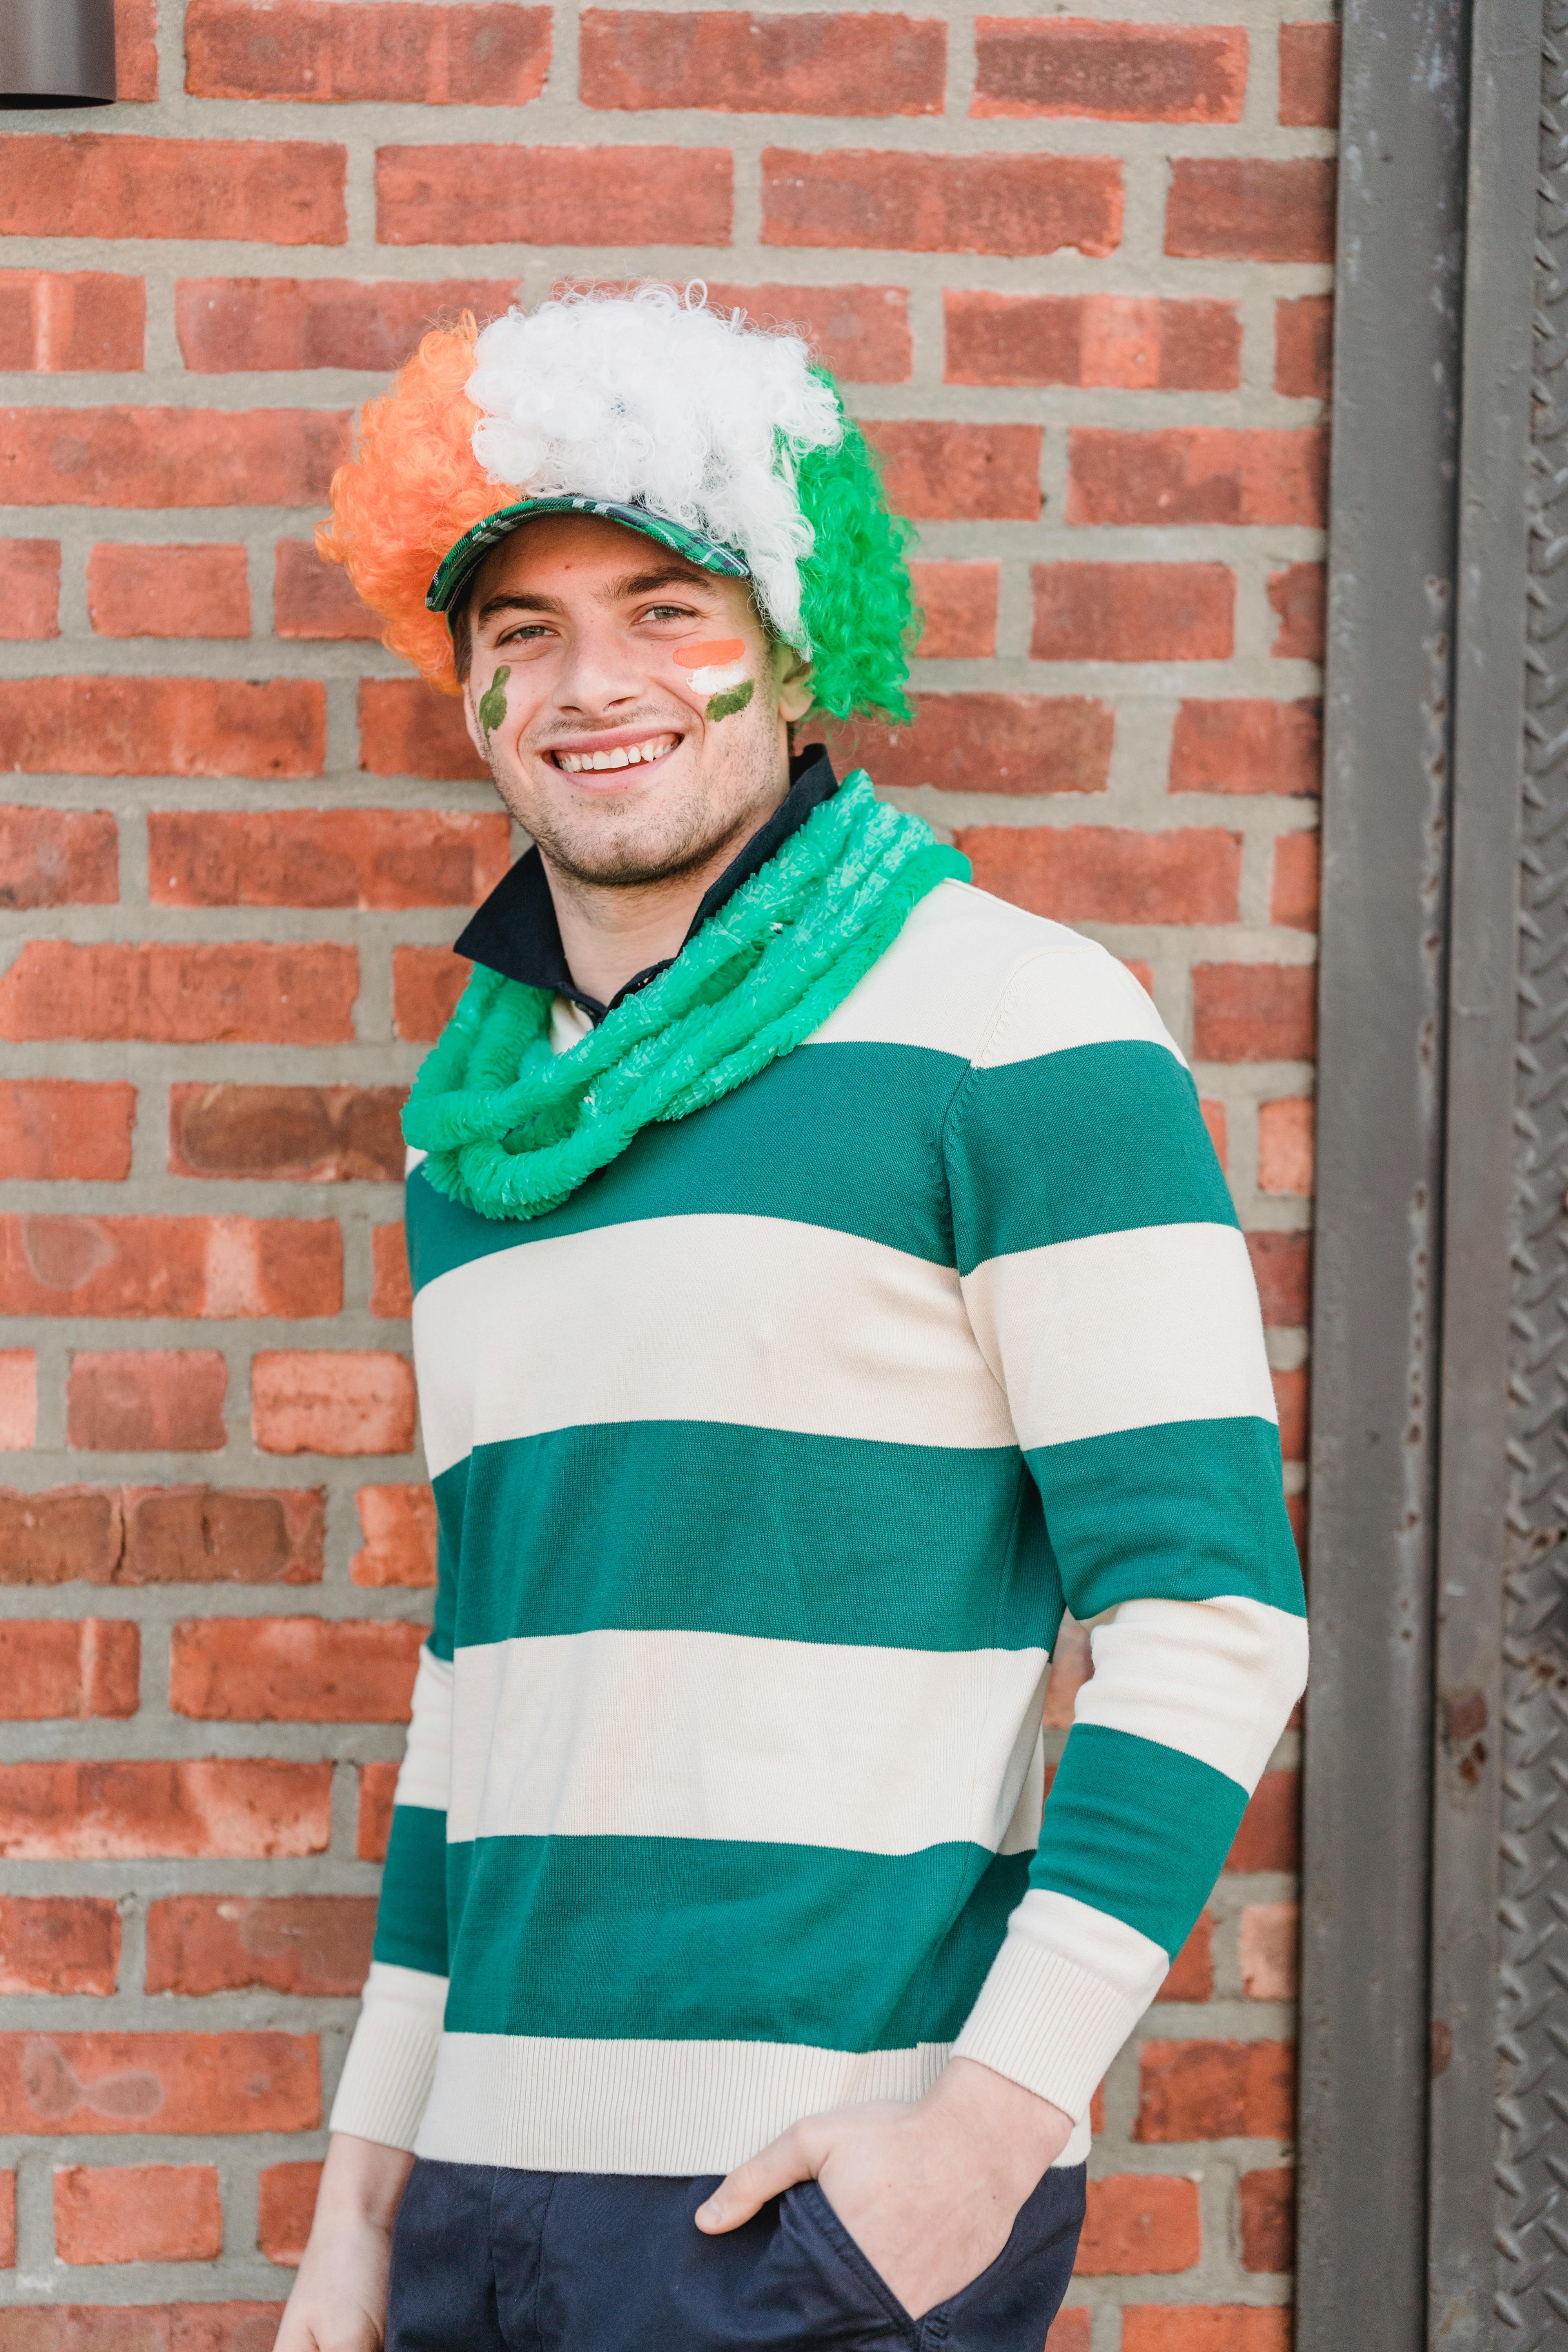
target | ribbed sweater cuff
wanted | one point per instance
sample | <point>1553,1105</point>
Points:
<point>1047,2023</point>
<point>391,2062</point>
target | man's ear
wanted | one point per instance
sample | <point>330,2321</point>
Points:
<point>796,686</point>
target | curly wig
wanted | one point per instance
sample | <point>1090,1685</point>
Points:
<point>803,501</point>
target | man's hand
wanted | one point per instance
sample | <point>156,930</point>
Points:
<point>929,2191</point>
<point>339,2302</point>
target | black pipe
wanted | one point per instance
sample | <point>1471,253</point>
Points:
<point>56,53</point>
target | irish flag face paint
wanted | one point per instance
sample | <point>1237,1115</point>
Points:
<point>715,667</point>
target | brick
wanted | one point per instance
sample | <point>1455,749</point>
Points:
<point>1215,2090</point>
<point>989,743</point>
<point>1071,2331</point>
<point>293,1670</point>
<point>246,1809</point>
<point>310,1944</point>
<point>59,1944</point>
<point>470,194</point>
<point>1255,1012</point>
<point>208,1535</point>
<point>228,325</point>
<point>325,858</point>
<point>425,985</point>
<point>1139,2223</point>
<point>1304,347</point>
<point>908,203</point>
<point>1269,1837</point>
<point>1291,1402</point>
<point>137,2213</point>
<point>301,1135</point>
<point>71,322</point>
<point>55,1130</point>
<point>1309,74</point>
<point>1282,1268</point>
<point>332,1400</point>
<point>934,469</point>
<point>1132,612</point>
<point>1285,1145</point>
<point>399,1523</point>
<point>273,191</point>
<point>160,1399</point>
<point>862,332</point>
<point>1243,746</point>
<point>377,1785</point>
<point>1107,873</point>
<point>958,608</point>
<point>1269,1933</point>
<point>1299,595</point>
<point>136,50</point>
<point>285,2207</point>
<point>144,2328</point>
<point>1191,1976</point>
<point>1268,2220</point>
<point>66,1666</point>
<point>1072,1665</point>
<point>737,61</point>
<point>1213,1113</point>
<point>315,600</point>
<point>55,1537</point>
<point>59,858</point>
<point>1197,473</point>
<point>1115,73</point>
<point>169,456</point>
<point>7,2221</point>
<point>29,590</point>
<point>207,1266</point>
<point>18,1404</point>
<point>1224,209</point>
<point>1207,2327</point>
<point>163,726</point>
<point>1132,341</point>
<point>159,2082</point>
<point>168,592</point>
<point>392,1292</point>
<point>490,54</point>
<point>182,993</point>
<point>1293,893</point>
<point>406,729</point>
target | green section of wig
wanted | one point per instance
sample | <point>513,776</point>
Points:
<point>857,597</point>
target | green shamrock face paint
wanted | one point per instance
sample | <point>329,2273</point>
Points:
<point>492,703</point>
<point>724,706</point>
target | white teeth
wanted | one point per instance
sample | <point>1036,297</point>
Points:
<point>629,755</point>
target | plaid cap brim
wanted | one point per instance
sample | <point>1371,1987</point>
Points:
<point>460,564</point>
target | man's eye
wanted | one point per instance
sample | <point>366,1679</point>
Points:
<point>522,632</point>
<point>669,613</point>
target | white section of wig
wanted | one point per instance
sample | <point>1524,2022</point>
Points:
<point>653,396</point>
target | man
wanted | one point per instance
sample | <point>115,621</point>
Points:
<point>822,1270</point>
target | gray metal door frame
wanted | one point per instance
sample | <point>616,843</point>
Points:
<point>1424,725</point>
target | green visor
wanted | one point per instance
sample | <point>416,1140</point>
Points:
<point>459,565</point>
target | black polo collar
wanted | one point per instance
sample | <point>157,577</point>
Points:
<point>516,933</point>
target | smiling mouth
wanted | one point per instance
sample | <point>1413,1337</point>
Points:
<point>623,755</point>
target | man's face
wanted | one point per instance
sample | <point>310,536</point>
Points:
<point>631,711</point>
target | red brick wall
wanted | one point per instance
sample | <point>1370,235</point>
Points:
<point>1075,274</point>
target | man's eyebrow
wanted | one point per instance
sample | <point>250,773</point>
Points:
<point>518,600</point>
<point>642,583</point>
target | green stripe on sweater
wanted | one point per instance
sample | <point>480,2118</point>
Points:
<point>411,1924</point>
<point>1199,1511</point>
<point>1111,1835</point>
<point>701,1939</point>
<point>832,1135</point>
<point>823,1538</point>
<point>1038,1150</point>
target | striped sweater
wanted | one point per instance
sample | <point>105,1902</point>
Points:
<point>765,1469</point>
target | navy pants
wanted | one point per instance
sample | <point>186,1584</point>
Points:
<point>489,2260</point>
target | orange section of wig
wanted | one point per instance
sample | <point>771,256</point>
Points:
<point>411,490</point>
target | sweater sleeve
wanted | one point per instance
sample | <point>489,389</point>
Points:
<point>392,2059</point>
<point>1109,1286</point>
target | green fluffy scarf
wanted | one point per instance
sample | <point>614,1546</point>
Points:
<point>512,1128</point>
